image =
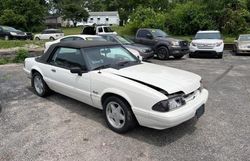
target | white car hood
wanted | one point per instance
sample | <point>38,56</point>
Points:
<point>169,79</point>
<point>207,41</point>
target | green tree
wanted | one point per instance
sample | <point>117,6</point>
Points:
<point>74,11</point>
<point>30,12</point>
<point>10,18</point>
<point>146,18</point>
<point>188,18</point>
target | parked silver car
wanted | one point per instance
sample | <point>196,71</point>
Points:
<point>242,44</point>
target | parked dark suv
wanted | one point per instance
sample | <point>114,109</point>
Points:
<point>9,33</point>
<point>163,45</point>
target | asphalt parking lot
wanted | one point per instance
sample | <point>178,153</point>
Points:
<point>60,128</point>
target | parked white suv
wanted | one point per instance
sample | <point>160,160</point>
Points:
<point>207,42</point>
<point>49,34</point>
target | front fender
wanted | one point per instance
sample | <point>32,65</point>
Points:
<point>117,92</point>
<point>166,44</point>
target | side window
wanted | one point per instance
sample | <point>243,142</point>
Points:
<point>100,29</point>
<point>67,39</point>
<point>44,32</point>
<point>143,34</point>
<point>67,58</point>
<point>78,38</point>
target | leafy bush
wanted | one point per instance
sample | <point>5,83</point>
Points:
<point>231,17</point>
<point>188,18</point>
<point>21,54</point>
<point>145,18</point>
<point>4,61</point>
<point>234,22</point>
<point>9,17</point>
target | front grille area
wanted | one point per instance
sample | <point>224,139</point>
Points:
<point>184,43</point>
<point>205,46</point>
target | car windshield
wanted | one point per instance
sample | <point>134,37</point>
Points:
<point>208,36</point>
<point>95,39</point>
<point>107,29</point>
<point>109,56</point>
<point>158,33</point>
<point>124,41</point>
<point>244,38</point>
<point>9,29</point>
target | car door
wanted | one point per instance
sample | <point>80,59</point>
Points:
<point>60,78</point>
<point>145,37</point>
<point>43,35</point>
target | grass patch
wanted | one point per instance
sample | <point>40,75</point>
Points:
<point>72,30</point>
<point>6,61</point>
<point>21,54</point>
<point>5,44</point>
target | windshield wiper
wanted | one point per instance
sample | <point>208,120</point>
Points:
<point>123,63</point>
<point>102,67</point>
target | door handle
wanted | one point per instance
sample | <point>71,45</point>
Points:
<point>53,70</point>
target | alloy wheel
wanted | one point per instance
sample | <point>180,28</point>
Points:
<point>38,84</point>
<point>115,115</point>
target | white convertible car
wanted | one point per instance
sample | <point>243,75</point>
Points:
<point>107,76</point>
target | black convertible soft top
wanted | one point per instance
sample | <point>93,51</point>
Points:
<point>73,44</point>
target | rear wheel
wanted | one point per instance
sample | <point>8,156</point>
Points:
<point>39,85</point>
<point>37,38</point>
<point>118,114</point>
<point>163,53</point>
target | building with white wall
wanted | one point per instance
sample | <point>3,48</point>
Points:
<point>104,18</point>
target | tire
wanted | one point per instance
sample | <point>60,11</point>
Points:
<point>162,53</point>
<point>220,55</point>
<point>178,56</point>
<point>6,37</point>
<point>118,115</point>
<point>39,85</point>
<point>191,55</point>
<point>51,38</point>
<point>37,38</point>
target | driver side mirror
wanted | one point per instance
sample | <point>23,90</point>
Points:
<point>149,36</point>
<point>78,70</point>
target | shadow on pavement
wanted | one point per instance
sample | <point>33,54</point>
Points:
<point>150,136</point>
